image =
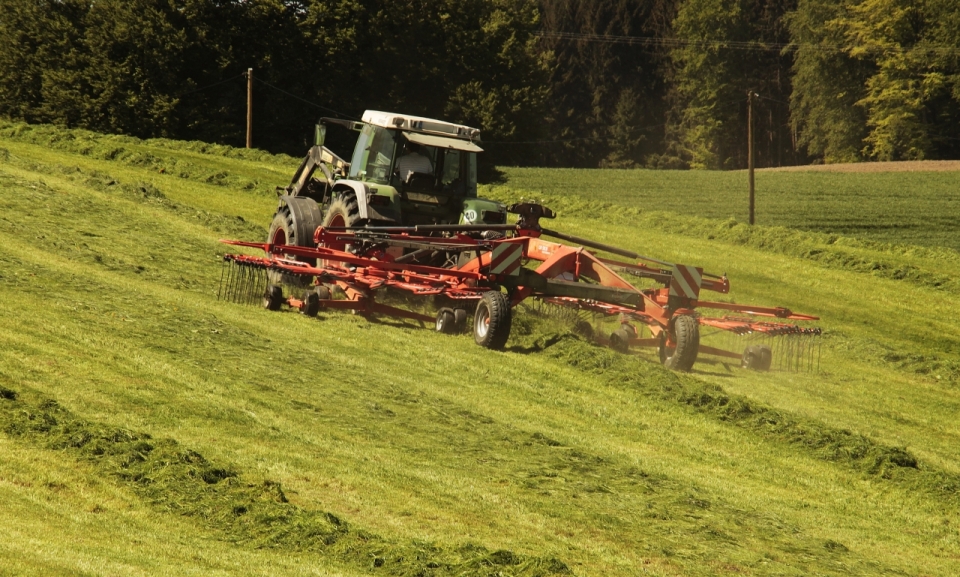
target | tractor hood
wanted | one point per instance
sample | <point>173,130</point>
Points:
<point>441,142</point>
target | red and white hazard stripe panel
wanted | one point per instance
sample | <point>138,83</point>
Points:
<point>506,259</point>
<point>686,281</point>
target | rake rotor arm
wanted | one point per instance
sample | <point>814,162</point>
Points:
<point>773,312</point>
<point>328,254</point>
<point>600,246</point>
<point>424,228</point>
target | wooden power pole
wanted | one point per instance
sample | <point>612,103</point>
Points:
<point>750,148</point>
<point>250,120</point>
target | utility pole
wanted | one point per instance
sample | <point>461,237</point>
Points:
<point>250,118</point>
<point>750,95</point>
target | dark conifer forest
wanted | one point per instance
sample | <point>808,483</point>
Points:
<point>590,83</point>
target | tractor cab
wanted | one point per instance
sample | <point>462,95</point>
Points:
<point>404,170</point>
<point>446,156</point>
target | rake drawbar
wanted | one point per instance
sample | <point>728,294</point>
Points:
<point>487,270</point>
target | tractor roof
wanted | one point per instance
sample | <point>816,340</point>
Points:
<point>411,123</point>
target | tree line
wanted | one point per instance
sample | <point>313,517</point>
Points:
<point>586,83</point>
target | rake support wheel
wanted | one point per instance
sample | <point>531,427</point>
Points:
<point>311,304</point>
<point>620,340</point>
<point>273,297</point>
<point>757,357</point>
<point>686,334</point>
<point>491,323</point>
<point>446,322</point>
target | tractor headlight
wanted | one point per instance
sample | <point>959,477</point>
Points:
<point>470,216</point>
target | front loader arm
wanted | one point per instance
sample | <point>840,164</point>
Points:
<point>317,157</point>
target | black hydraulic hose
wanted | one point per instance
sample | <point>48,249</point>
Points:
<point>601,246</point>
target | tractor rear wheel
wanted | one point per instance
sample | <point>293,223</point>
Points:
<point>686,334</point>
<point>491,323</point>
<point>344,211</point>
<point>283,232</point>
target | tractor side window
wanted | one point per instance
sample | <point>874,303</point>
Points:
<point>380,157</point>
<point>359,160</point>
<point>451,167</point>
<point>471,172</point>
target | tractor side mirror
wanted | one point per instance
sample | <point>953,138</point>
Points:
<point>320,135</point>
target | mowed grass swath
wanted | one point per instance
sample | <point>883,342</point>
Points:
<point>150,428</point>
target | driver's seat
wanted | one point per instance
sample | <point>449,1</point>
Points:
<point>420,181</point>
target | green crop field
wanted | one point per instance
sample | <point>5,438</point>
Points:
<point>147,428</point>
<point>919,208</point>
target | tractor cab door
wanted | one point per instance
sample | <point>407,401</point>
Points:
<point>373,155</point>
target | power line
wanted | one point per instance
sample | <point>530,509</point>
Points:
<point>242,74</point>
<point>305,101</point>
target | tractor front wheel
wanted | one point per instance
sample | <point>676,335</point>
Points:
<point>491,323</point>
<point>686,335</point>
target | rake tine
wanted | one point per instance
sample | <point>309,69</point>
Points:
<point>239,286</point>
<point>228,290</point>
<point>223,264</point>
<point>237,271</point>
<point>248,284</point>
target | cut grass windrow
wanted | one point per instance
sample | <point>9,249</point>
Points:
<point>842,447</point>
<point>258,514</point>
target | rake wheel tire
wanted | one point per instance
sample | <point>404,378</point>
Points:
<point>491,323</point>
<point>686,333</point>
<point>273,297</point>
<point>584,329</point>
<point>323,293</point>
<point>620,340</point>
<point>311,304</point>
<point>446,322</point>
<point>460,319</point>
<point>757,358</point>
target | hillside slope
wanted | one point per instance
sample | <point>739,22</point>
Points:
<point>149,429</point>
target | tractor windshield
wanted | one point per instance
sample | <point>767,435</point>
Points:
<point>373,155</point>
<point>379,154</point>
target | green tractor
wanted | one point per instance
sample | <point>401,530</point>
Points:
<point>405,170</point>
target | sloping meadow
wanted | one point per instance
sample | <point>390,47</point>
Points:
<point>149,428</point>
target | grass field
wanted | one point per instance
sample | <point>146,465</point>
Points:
<point>918,208</point>
<point>148,428</point>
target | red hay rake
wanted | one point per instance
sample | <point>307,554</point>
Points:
<point>485,271</point>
